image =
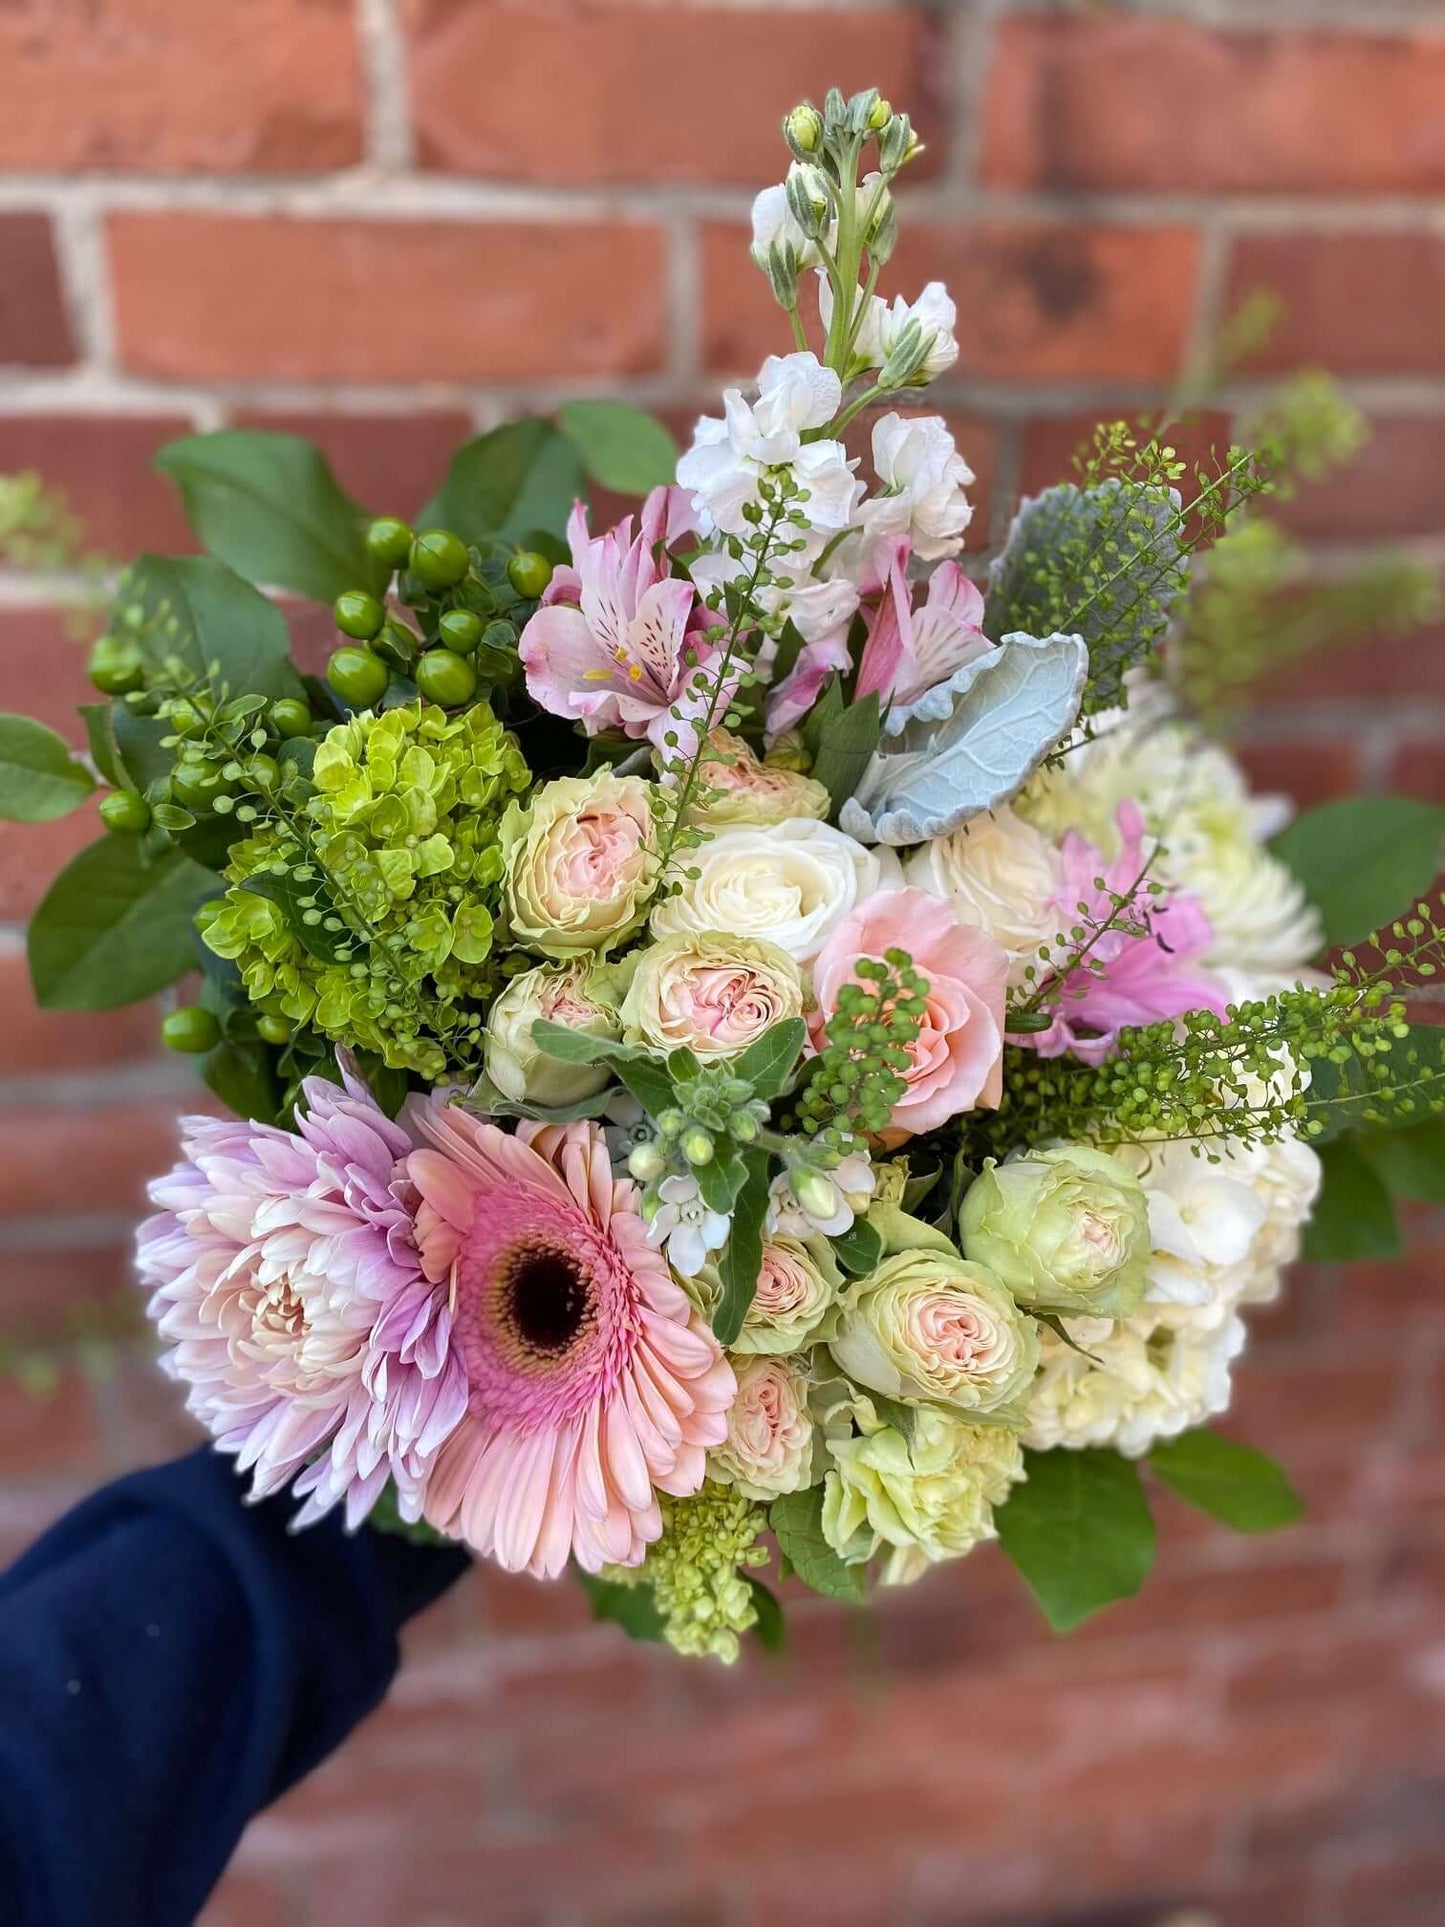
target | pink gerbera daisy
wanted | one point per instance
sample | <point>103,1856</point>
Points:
<point>593,1382</point>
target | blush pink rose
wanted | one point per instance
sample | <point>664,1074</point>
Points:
<point>957,1058</point>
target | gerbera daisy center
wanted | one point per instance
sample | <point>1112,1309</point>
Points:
<point>547,1298</point>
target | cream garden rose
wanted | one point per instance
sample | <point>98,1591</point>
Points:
<point>792,884</point>
<point>709,992</point>
<point>796,1285</point>
<point>581,863</point>
<point>770,1442</point>
<point>918,1499</point>
<point>1066,1229</point>
<point>738,789</point>
<point>930,1325</point>
<point>1000,875</point>
<point>577,995</point>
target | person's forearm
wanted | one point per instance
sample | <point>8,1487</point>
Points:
<point>171,1659</point>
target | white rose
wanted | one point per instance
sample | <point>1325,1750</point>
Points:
<point>922,478</point>
<point>770,1443</point>
<point>792,884</point>
<point>1000,874</point>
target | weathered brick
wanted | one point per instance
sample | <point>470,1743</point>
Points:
<point>1311,770</point>
<point>1394,487</point>
<point>116,1146</point>
<point>1109,101</point>
<point>1365,303</point>
<point>34,330</point>
<point>218,297</point>
<point>45,1433</point>
<point>610,92</point>
<point>104,465</point>
<point>35,1041</point>
<point>162,86</point>
<point>39,1284</point>
<point>33,854</point>
<point>391,464</point>
<point>1037,301</point>
<point>1418,768</point>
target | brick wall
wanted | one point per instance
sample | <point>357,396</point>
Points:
<point>387,222</point>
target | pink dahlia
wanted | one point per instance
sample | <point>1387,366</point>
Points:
<point>285,1278</point>
<point>593,1383</point>
<point>1145,965</point>
<point>618,636</point>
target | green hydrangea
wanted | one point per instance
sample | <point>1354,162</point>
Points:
<point>696,1570</point>
<point>368,910</point>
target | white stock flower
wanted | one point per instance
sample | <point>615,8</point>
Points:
<point>883,327</point>
<point>922,480</point>
<point>685,1226</point>
<point>769,1448</point>
<point>792,884</point>
<point>775,226</point>
<point>729,456</point>
<point>1000,874</point>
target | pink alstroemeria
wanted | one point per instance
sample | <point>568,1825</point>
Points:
<point>909,650</point>
<point>1139,973</point>
<point>609,646</point>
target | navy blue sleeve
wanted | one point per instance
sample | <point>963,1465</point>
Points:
<point>171,1660</point>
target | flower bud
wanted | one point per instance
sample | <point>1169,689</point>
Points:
<point>803,129</point>
<point>809,199</point>
<point>880,115</point>
<point>671,1123</point>
<point>646,1163</point>
<point>817,1194</point>
<point>697,1146</point>
<point>898,144</point>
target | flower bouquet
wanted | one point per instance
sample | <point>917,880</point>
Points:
<point>746,1043</point>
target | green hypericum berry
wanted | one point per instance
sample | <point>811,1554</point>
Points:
<point>439,559</point>
<point>529,573</point>
<point>273,1030</point>
<point>196,785</point>
<point>389,542</point>
<point>125,813</point>
<point>289,717</point>
<point>446,679</point>
<point>460,630</point>
<point>358,677</point>
<point>190,1029</point>
<point>359,614</point>
<point>116,667</point>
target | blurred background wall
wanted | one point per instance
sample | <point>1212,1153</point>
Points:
<point>389,222</point>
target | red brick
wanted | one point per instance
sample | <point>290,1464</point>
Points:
<point>247,1900</point>
<point>1362,303</point>
<point>202,296</point>
<point>100,1156</point>
<point>1418,768</point>
<point>1037,301</point>
<point>1394,487</point>
<point>33,854</point>
<point>392,464</point>
<point>1105,102</point>
<point>1377,669</point>
<point>1381,1297</point>
<point>36,1041</point>
<point>162,87</point>
<point>1052,443</point>
<point>1336,1399</point>
<point>620,91</point>
<point>104,465</point>
<point>1309,770</point>
<point>45,1433</point>
<point>34,331</point>
<point>44,668</point>
<point>38,1286</point>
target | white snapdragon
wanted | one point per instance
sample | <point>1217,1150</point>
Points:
<point>922,479</point>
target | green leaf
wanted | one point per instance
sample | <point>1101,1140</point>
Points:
<point>1079,1530</point>
<point>485,1100</point>
<point>242,1076</point>
<point>633,1608</point>
<point>770,1629</point>
<point>859,1249</point>
<point>1399,1086</point>
<point>1354,1216</point>
<point>1363,860</point>
<point>768,1061</point>
<point>100,739</point>
<point>841,739</point>
<point>742,1255</point>
<point>522,476</point>
<point>269,506</point>
<point>797,1525</point>
<point>140,747</point>
<point>579,1046</point>
<point>39,778</point>
<point>720,1181</point>
<point>202,612</point>
<point>114,928</point>
<point>621,447</point>
<point>1411,1161</point>
<point>1233,1483</point>
<point>648,1082</point>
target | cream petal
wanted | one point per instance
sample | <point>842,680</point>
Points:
<point>522,1512</point>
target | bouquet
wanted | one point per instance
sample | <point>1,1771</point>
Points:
<point>746,1045</point>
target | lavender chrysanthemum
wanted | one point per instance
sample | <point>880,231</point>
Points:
<point>289,1288</point>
